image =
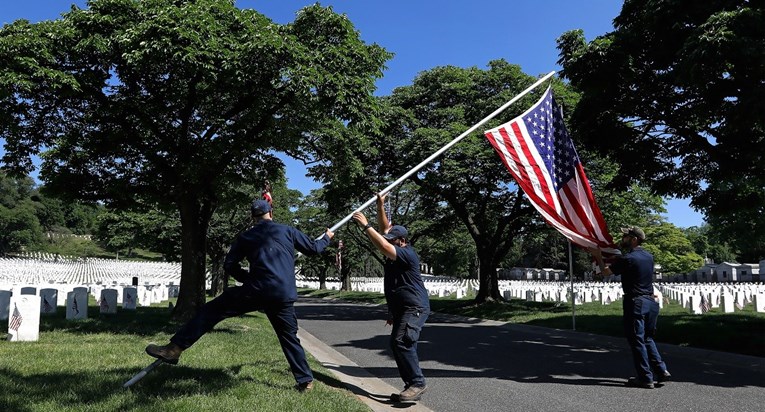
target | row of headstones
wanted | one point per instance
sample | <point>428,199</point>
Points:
<point>438,288</point>
<point>559,293</point>
<point>146,294</point>
<point>23,310</point>
<point>700,300</point>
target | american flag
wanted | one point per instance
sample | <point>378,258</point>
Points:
<point>104,304</point>
<point>704,305</point>
<point>267,193</point>
<point>339,256</point>
<point>128,297</point>
<point>15,322</point>
<point>47,308</point>
<point>536,149</point>
<point>74,306</point>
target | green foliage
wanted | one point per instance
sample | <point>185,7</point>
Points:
<point>706,242</point>
<point>675,94</point>
<point>19,228</point>
<point>167,105</point>
<point>127,231</point>
<point>68,245</point>
<point>671,249</point>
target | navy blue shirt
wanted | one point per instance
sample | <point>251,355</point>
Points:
<point>402,283</point>
<point>636,270</point>
<point>270,249</point>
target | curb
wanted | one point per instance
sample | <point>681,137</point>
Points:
<point>369,389</point>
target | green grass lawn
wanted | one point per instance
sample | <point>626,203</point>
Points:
<point>741,332</point>
<point>82,365</point>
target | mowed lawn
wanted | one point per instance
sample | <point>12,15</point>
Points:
<point>82,365</point>
<point>740,332</point>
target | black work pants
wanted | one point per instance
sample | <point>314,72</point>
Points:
<point>237,301</point>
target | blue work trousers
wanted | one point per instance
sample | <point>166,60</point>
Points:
<point>407,326</point>
<point>237,301</point>
<point>640,316</point>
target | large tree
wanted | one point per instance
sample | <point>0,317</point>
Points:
<point>468,187</point>
<point>676,94</point>
<point>173,102</point>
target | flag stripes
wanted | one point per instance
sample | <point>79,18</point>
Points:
<point>15,321</point>
<point>537,151</point>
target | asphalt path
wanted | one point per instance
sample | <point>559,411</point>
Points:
<point>478,365</point>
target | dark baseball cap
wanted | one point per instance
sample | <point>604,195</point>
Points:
<point>396,232</point>
<point>260,207</point>
<point>634,231</point>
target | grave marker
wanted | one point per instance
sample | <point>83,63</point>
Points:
<point>24,321</point>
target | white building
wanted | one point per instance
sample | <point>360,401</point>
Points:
<point>749,272</point>
<point>727,272</point>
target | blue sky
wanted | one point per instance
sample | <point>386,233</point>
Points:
<point>428,33</point>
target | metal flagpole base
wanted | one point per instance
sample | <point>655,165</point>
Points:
<point>138,376</point>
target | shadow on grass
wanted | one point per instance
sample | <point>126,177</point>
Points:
<point>62,389</point>
<point>144,321</point>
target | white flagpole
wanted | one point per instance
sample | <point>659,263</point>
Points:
<point>440,151</point>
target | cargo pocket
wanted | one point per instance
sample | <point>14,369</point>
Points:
<point>412,333</point>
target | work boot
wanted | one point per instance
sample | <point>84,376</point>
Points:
<point>169,353</point>
<point>412,393</point>
<point>305,386</point>
<point>663,376</point>
<point>637,383</point>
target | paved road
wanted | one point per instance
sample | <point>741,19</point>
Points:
<point>474,365</point>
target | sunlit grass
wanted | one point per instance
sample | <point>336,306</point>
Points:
<point>82,365</point>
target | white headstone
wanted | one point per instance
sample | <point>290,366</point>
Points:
<point>759,302</point>
<point>77,305</point>
<point>726,301</point>
<point>741,298</point>
<point>24,320</point>
<point>129,298</point>
<point>695,302</point>
<point>48,301</point>
<point>108,301</point>
<point>5,303</point>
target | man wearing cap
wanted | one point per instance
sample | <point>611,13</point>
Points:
<point>407,298</point>
<point>268,286</point>
<point>641,311</point>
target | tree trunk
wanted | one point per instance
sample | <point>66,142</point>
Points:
<point>219,277</point>
<point>323,278</point>
<point>345,278</point>
<point>488,284</point>
<point>195,219</point>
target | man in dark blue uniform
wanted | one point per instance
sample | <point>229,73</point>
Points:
<point>641,311</point>
<point>268,286</point>
<point>407,298</point>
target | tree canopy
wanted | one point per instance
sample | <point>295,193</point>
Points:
<point>169,103</point>
<point>676,94</point>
